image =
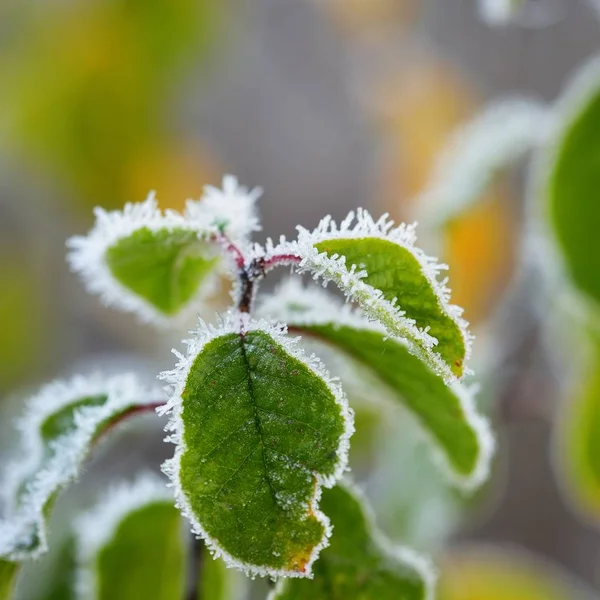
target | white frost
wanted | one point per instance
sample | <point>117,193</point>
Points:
<point>97,527</point>
<point>376,307</point>
<point>49,475</point>
<point>297,305</point>
<point>235,322</point>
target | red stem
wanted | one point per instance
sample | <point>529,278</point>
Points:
<point>281,260</point>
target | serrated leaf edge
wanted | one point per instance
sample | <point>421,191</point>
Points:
<point>325,309</point>
<point>235,322</point>
<point>96,527</point>
<point>402,554</point>
<point>122,391</point>
<point>350,280</point>
<point>87,253</point>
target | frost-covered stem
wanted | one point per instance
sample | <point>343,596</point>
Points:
<point>231,248</point>
<point>281,260</point>
<point>248,277</point>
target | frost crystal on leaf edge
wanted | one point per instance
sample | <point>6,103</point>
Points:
<point>402,554</point>
<point>234,322</point>
<point>375,306</point>
<point>323,309</point>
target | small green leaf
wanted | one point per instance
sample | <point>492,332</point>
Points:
<point>164,267</point>
<point>8,575</point>
<point>572,177</point>
<point>578,439</point>
<point>132,545</point>
<point>143,261</point>
<point>359,564</point>
<point>393,281</point>
<point>448,414</point>
<point>259,430</point>
<point>63,421</point>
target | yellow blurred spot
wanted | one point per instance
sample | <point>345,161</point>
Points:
<point>485,574</point>
<point>176,174</point>
<point>480,249</point>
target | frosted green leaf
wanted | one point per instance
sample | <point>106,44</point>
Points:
<point>359,563</point>
<point>572,177</point>
<point>164,267</point>
<point>132,545</point>
<point>143,261</point>
<point>157,264</point>
<point>578,437</point>
<point>447,413</point>
<point>259,429</point>
<point>63,421</point>
<point>395,283</point>
<point>8,575</point>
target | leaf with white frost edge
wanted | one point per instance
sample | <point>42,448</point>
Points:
<point>131,544</point>
<point>62,422</point>
<point>160,265</point>
<point>259,429</point>
<point>402,292</point>
<point>360,562</point>
<point>460,436</point>
<point>494,140</point>
<point>566,173</point>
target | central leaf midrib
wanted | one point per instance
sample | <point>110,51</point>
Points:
<point>257,423</point>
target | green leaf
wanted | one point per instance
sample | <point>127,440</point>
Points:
<point>393,281</point>
<point>572,177</point>
<point>259,430</point>
<point>578,439</point>
<point>8,575</point>
<point>132,545</point>
<point>215,580</point>
<point>64,419</point>
<point>163,267</point>
<point>359,563</point>
<point>447,414</point>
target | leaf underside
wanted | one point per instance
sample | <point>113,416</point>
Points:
<point>145,558</point>
<point>164,267</point>
<point>395,271</point>
<point>436,405</point>
<point>260,427</point>
<point>354,566</point>
<point>574,212</point>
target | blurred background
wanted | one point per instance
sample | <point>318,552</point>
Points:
<point>328,105</point>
